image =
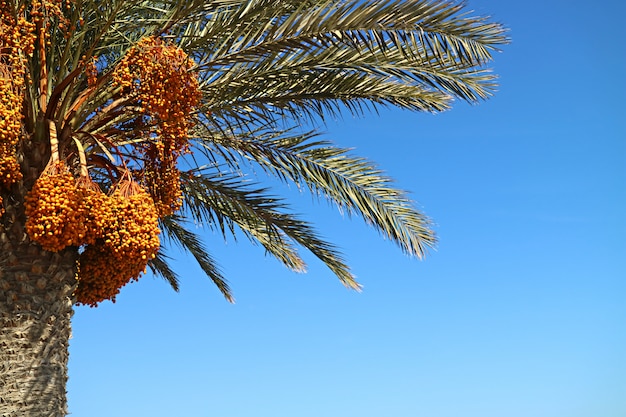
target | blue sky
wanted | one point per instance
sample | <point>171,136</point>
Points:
<point>519,312</point>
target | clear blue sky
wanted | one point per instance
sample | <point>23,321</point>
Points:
<point>521,312</point>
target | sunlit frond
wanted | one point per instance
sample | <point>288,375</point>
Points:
<point>352,183</point>
<point>224,201</point>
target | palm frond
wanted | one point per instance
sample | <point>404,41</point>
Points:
<point>189,241</point>
<point>261,55</point>
<point>263,27</point>
<point>413,54</point>
<point>160,267</point>
<point>223,202</point>
<point>352,183</point>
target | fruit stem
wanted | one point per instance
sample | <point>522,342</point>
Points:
<point>83,160</point>
<point>54,142</point>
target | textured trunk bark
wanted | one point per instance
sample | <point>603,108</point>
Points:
<point>36,290</point>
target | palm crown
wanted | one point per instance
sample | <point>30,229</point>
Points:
<point>168,106</point>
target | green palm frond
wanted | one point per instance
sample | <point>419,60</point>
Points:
<point>263,27</point>
<point>160,267</point>
<point>352,183</point>
<point>262,55</point>
<point>224,201</point>
<point>412,54</point>
<point>310,93</point>
<point>175,231</point>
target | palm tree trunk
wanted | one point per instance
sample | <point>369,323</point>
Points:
<point>36,290</point>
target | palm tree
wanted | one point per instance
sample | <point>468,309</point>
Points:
<point>122,121</point>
